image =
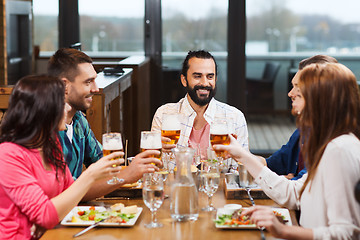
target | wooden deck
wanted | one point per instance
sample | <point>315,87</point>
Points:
<point>268,133</point>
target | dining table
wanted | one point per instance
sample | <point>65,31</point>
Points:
<point>203,228</point>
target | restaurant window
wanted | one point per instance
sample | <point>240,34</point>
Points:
<point>287,31</point>
<point>46,24</point>
<point>303,26</point>
<point>194,25</point>
<point>112,26</point>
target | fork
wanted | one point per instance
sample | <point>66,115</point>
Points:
<point>253,203</point>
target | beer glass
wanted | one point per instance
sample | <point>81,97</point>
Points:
<point>152,141</point>
<point>112,143</point>
<point>219,134</point>
<point>171,127</point>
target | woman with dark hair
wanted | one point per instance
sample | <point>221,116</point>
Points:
<point>329,121</point>
<point>36,187</point>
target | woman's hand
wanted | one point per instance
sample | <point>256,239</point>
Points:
<point>104,167</point>
<point>234,149</point>
<point>264,217</point>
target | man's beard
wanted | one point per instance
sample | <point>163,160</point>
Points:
<point>79,105</point>
<point>200,101</point>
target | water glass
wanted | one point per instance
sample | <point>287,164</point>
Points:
<point>153,196</point>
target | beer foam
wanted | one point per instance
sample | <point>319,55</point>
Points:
<point>112,144</point>
<point>218,129</point>
<point>171,123</point>
<point>150,143</point>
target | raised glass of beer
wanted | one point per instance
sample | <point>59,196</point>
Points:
<point>152,141</point>
<point>171,127</point>
<point>112,143</point>
<point>219,134</point>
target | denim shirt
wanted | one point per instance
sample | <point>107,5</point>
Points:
<point>84,149</point>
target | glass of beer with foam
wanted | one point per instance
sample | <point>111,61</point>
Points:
<point>152,141</point>
<point>219,134</point>
<point>112,142</point>
<point>171,127</point>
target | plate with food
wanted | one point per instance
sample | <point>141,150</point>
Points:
<point>227,218</point>
<point>116,216</point>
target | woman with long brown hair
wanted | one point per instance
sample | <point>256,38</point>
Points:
<point>329,127</point>
<point>36,187</point>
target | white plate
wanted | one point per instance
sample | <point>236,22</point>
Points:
<point>283,211</point>
<point>67,220</point>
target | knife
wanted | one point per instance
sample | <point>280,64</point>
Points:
<point>88,228</point>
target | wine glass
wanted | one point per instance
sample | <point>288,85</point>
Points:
<point>219,134</point>
<point>112,143</point>
<point>153,196</point>
<point>210,180</point>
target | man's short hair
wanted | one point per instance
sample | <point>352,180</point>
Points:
<point>65,61</point>
<point>319,59</point>
<point>198,54</point>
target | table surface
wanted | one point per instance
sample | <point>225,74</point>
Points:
<point>203,228</point>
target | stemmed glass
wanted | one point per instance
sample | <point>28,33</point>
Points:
<point>170,128</point>
<point>210,177</point>
<point>153,196</point>
<point>219,134</point>
<point>112,143</point>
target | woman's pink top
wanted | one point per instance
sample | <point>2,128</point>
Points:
<point>25,191</point>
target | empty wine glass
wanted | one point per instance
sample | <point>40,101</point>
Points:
<point>153,196</point>
<point>210,179</point>
<point>112,143</point>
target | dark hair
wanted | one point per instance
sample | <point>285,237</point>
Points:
<point>36,107</point>
<point>65,61</point>
<point>198,54</point>
<point>320,59</point>
<point>332,108</point>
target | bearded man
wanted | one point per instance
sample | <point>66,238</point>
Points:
<point>199,108</point>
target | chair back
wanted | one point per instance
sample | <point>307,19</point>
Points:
<point>270,71</point>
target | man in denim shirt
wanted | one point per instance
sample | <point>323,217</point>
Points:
<point>78,141</point>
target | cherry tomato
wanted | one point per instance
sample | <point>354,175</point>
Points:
<point>81,213</point>
<point>91,217</point>
<point>92,208</point>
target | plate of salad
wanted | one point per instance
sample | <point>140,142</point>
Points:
<point>226,220</point>
<point>88,215</point>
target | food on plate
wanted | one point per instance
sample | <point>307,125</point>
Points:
<point>130,185</point>
<point>129,210</point>
<point>280,217</point>
<point>118,213</point>
<point>236,219</point>
<point>117,207</point>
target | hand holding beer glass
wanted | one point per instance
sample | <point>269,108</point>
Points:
<point>152,141</point>
<point>170,129</point>
<point>219,134</point>
<point>112,143</point>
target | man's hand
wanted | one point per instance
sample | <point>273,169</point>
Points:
<point>289,176</point>
<point>166,148</point>
<point>142,163</point>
